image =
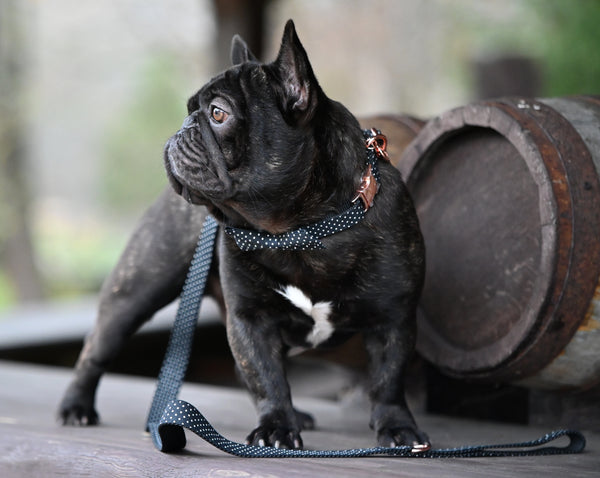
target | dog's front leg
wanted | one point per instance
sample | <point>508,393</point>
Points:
<point>258,352</point>
<point>389,348</point>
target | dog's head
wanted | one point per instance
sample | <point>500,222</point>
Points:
<point>248,148</point>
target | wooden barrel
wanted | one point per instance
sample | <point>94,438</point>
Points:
<point>508,197</point>
<point>400,130</point>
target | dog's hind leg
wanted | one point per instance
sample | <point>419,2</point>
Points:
<point>148,276</point>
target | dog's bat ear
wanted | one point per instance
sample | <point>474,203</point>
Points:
<point>299,86</point>
<point>240,53</point>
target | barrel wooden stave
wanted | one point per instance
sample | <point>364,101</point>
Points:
<point>578,365</point>
<point>508,197</point>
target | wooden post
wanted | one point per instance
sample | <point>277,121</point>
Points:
<point>244,17</point>
<point>507,76</point>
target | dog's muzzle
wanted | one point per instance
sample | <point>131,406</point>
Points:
<point>193,171</point>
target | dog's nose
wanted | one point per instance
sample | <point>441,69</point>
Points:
<point>189,122</point>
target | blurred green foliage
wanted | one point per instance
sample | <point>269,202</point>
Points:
<point>563,35</point>
<point>569,43</point>
<point>133,172</point>
<point>74,260</point>
<point>7,293</point>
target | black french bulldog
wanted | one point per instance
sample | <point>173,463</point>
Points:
<point>263,149</point>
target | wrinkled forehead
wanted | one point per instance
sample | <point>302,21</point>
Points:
<point>233,84</point>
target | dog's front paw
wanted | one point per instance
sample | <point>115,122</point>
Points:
<point>404,436</point>
<point>277,437</point>
<point>77,410</point>
<point>395,426</point>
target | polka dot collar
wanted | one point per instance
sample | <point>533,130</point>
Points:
<point>308,237</point>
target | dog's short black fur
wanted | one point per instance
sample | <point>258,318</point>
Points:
<point>264,148</point>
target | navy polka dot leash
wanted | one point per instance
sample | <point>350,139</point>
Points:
<point>308,237</point>
<point>169,416</point>
<point>179,347</point>
<point>180,414</point>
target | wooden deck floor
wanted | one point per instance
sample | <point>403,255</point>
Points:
<point>32,444</point>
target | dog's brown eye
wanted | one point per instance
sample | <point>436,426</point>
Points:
<point>219,115</point>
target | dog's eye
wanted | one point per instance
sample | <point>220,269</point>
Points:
<point>219,115</point>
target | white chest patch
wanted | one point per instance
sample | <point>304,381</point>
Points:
<point>320,311</point>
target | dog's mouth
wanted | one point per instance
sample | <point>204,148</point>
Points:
<point>186,193</point>
<point>192,174</point>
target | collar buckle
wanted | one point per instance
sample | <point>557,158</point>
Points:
<point>378,143</point>
<point>367,190</point>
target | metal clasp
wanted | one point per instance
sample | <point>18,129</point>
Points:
<point>420,447</point>
<point>378,142</point>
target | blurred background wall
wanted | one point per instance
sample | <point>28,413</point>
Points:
<point>90,91</point>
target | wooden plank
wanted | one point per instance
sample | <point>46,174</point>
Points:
<point>32,444</point>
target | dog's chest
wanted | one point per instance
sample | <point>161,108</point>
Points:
<point>319,312</point>
<point>314,300</point>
